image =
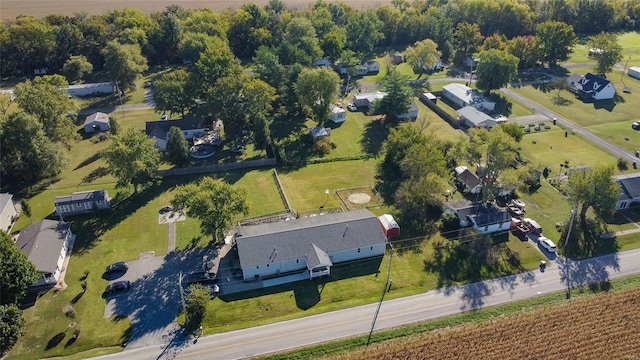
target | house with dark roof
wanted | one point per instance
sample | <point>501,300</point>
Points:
<point>629,191</point>
<point>191,128</point>
<point>468,179</point>
<point>484,218</point>
<point>307,248</point>
<point>368,100</point>
<point>591,86</point>
<point>82,202</point>
<point>96,122</point>
<point>46,244</point>
<point>8,213</point>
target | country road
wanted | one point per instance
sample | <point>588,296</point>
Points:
<point>560,275</point>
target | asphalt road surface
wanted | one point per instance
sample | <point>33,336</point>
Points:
<point>559,275</point>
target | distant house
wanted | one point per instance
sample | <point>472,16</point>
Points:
<point>82,202</point>
<point>96,122</point>
<point>8,213</point>
<point>485,219</point>
<point>46,244</point>
<point>462,95</point>
<point>191,127</point>
<point>368,67</point>
<point>629,191</point>
<point>338,114</point>
<point>322,63</point>
<point>319,132</point>
<point>103,88</point>
<point>468,179</point>
<point>474,118</point>
<point>591,87</point>
<point>396,57</point>
<point>368,100</point>
<point>412,114</point>
<point>307,248</point>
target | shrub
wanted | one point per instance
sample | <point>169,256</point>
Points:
<point>324,146</point>
<point>622,164</point>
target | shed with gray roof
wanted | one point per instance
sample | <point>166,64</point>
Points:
<point>308,245</point>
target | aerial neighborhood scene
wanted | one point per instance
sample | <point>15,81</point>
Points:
<point>280,179</point>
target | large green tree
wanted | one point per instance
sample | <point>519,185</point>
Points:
<point>363,31</point>
<point>214,202</point>
<point>12,326</point>
<point>196,307</point>
<point>316,90</point>
<point>27,154</point>
<point>177,147</point>
<point>555,41</point>
<point>423,55</point>
<point>399,95</point>
<point>76,68</point>
<point>467,40</point>
<point>16,272</point>
<point>496,69</point>
<point>593,189</point>
<point>525,49</point>
<point>171,93</point>
<point>248,30</point>
<point>124,63</point>
<point>132,158</point>
<point>607,51</point>
<point>47,100</point>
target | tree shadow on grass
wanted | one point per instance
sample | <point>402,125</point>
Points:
<point>95,174</point>
<point>70,342</point>
<point>373,137</point>
<point>88,161</point>
<point>55,340</point>
<point>560,101</point>
<point>77,298</point>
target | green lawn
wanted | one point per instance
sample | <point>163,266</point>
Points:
<point>630,42</point>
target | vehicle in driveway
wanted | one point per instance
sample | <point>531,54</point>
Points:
<point>117,267</point>
<point>165,209</point>
<point>117,287</point>
<point>517,203</point>
<point>547,244</point>
<point>201,277</point>
<point>352,107</point>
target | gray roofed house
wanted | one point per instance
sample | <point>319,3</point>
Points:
<point>96,122</point>
<point>470,181</point>
<point>484,219</point>
<point>629,190</point>
<point>191,128</point>
<point>46,244</point>
<point>461,95</point>
<point>8,213</point>
<point>308,246</point>
<point>82,202</point>
<point>473,117</point>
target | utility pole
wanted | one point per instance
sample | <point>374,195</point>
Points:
<point>573,215</point>
<point>386,288</point>
<point>184,306</point>
<point>120,97</point>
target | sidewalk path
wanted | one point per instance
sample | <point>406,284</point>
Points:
<point>171,237</point>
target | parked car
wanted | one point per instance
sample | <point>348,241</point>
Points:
<point>117,287</point>
<point>352,107</point>
<point>201,277</point>
<point>549,245</point>
<point>517,203</point>
<point>164,117</point>
<point>117,267</point>
<point>635,125</point>
<point>165,209</point>
<point>514,210</point>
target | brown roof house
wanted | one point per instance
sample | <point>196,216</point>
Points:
<point>46,244</point>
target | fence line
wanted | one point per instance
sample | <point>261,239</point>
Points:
<point>248,164</point>
<point>281,191</point>
<point>439,111</point>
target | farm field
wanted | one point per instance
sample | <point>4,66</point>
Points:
<point>603,325</point>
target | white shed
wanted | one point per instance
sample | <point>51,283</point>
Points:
<point>96,122</point>
<point>338,114</point>
<point>634,72</point>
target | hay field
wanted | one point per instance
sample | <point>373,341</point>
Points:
<point>604,326</point>
<point>9,9</point>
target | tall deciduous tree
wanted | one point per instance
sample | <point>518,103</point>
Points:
<point>124,63</point>
<point>132,158</point>
<point>47,100</point>
<point>525,49</point>
<point>555,41</point>
<point>16,272</point>
<point>215,63</point>
<point>76,68</point>
<point>213,202</point>
<point>496,69</point>
<point>27,154</point>
<point>248,30</point>
<point>607,51</point>
<point>177,147</point>
<point>593,189</point>
<point>12,326</point>
<point>423,55</point>
<point>364,31</point>
<point>398,98</point>
<point>170,93</point>
<point>316,89</point>
<point>467,39</point>
<point>196,307</point>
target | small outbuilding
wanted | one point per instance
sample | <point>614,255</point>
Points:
<point>389,226</point>
<point>96,122</point>
<point>338,114</point>
<point>319,132</point>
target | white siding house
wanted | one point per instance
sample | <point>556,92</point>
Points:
<point>485,219</point>
<point>191,128</point>
<point>472,117</point>
<point>629,191</point>
<point>91,89</point>
<point>96,122</point>
<point>462,95</point>
<point>338,114</point>
<point>591,86</point>
<point>8,213</point>
<point>308,246</point>
<point>82,202</point>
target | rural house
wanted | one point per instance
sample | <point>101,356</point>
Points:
<point>591,86</point>
<point>338,114</point>
<point>82,202</point>
<point>96,122</point>
<point>462,95</point>
<point>484,218</point>
<point>191,127</point>
<point>46,244</point>
<point>8,213</point>
<point>368,100</point>
<point>91,89</point>
<point>307,248</point>
<point>474,118</point>
<point>468,179</point>
<point>629,191</point>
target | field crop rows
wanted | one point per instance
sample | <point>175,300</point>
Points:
<point>595,327</point>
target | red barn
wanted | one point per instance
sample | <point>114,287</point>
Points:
<point>389,226</point>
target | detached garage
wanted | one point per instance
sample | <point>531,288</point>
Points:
<point>96,122</point>
<point>389,226</point>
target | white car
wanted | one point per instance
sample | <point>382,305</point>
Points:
<point>352,107</point>
<point>164,117</point>
<point>547,244</point>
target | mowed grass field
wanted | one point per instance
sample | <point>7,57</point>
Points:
<point>593,327</point>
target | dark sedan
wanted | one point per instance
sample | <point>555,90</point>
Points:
<point>117,267</point>
<point>117,287</point>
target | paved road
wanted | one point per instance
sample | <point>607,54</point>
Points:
<point>560,275</point>
<point>613,149</point>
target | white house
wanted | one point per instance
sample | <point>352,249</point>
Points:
<point>338,114</point>
<point>462,95</point>
<point>46,244</point>
<point>468,179</point>
<point>485,219</point>
<point>91,89</point>
<point>591,86</point>
<point>322,63</point>
<point>629,191</point>
<point>191,128</point>
<point>96,122</point>
<point>82,202</point>
<point>368,99</point>
<point>472,117</point>
<point>8,213</point>
<point>307,248</point>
